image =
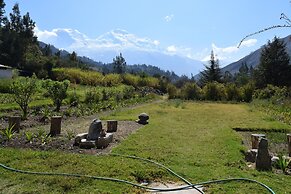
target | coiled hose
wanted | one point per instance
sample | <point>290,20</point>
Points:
<point>189,186</point>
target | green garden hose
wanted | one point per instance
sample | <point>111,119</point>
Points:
<point>189,186</point>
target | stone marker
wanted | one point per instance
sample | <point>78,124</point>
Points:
<point>289,143</point>
<point>111,126</point>
<point>251,155</point>
<point>143,118</point>
<point>95,130</point>
<point>56,125</point>
<point>96,137</point>
<point>256,139</point>
<point>263,161</point>
<point>14,121</point>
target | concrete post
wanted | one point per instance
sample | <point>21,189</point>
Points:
<point>56,122</point>
<point>256,139</point>
<point>111,126</point>
<point>289,143</point>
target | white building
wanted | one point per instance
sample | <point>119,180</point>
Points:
<point>5,71</point>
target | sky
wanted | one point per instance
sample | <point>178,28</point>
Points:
<point>189,28</point>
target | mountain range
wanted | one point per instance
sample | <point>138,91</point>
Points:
<point>253,59</point>
<point>135,50</point>
<point>138,50</point>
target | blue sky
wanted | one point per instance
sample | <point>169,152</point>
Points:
<point>184,27</point>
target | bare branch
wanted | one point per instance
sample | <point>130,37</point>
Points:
<point>283,17</point>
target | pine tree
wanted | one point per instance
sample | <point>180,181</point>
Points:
<point>2,12</point>
<point>243,76</point>
<point>274,67</point>
<point>119,64</point>
<point>212,72</point>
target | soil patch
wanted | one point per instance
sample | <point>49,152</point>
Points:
<point>65,141</point>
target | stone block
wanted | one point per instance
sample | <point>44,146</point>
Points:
<point>250,155</point>
<point>263,160</point>
<point>143,118</point>
<point>87,144</point>
<point>103,142</point>
<point>79,137</point>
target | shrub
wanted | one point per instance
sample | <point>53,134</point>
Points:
<point>214,91</point>
<point>57,91</point>
<point>130,79</point>
<point>232,92</point>
<point>78,76</point>
<point>112,80</point>
<point>247,92</point>
<point>92,96</point>
<point>172,91</point>
<point>128,92</point>
<point>148,81</point>
<point>74,99</point>
<point>23,89</point>
<point>271,91</point>
<point>190,91</point>
<point>5,85</point>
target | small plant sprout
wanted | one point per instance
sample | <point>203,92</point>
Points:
<point>283,163</point>
<point>8,133</point>
<point>70,134</point>
<point>29,136</point>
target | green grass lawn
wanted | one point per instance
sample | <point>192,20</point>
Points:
<point>196,140</point>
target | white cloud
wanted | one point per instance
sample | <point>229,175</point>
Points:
<point>44,35</point>
<point>230,53</point>
<point>171,49</point>
<point>169,18</point>
<point>249,43</point>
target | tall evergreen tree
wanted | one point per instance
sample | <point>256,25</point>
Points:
<point>243,76</point>
<point>274,67</point>
<point>16,36</point>
<point>2,12</point>
<point>119,64</point>
<point>212,72</point>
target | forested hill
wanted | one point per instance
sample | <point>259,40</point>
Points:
<point>141,69</point>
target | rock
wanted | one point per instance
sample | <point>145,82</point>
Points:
<point>79,137</point>
<point>94,130</point>
<point>87,144</point>
<point>250,155</point>
<point>103,142</point>
<point>263,160</point>
<point>143,118</point>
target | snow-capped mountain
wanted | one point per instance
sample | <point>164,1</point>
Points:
<point>135,50</point>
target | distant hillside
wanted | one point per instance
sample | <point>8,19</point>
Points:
<point>107,68</point>
<point>253,59</point>
<point>135,50</point>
